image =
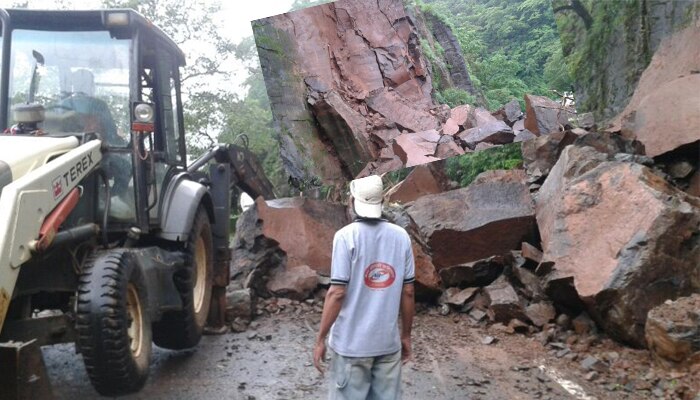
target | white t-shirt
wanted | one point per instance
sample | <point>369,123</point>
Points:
<point>374,259</point>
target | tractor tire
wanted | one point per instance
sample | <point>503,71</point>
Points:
<point>183,329</point>
<point>112,323</point>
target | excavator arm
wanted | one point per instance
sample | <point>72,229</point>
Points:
<point>233,166</point>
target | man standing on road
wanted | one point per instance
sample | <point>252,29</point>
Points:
<point>372,275</point>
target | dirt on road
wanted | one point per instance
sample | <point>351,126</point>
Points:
<point>454,358</point>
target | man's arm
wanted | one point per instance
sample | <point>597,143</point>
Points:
<point>408,310</point>
<point>331,309</point>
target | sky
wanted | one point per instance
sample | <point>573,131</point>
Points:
<point>236,16</point>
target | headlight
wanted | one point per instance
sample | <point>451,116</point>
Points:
<point>143,113</point>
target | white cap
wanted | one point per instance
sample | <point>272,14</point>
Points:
<point>368,196</point>
<point>246,201</point>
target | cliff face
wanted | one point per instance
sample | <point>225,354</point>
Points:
<point>608,44</point>
<point>343,80</point>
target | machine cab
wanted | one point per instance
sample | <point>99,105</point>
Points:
<point>105,73</point>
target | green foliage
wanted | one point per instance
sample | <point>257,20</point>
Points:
<point>463,169</point>
<point>394,177</point>
<point>511,47</point>
<point>454,97</point>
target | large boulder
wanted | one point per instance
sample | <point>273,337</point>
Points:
<point>475,222</point>
<point>424,179</point>
<point>276,235</point>
<point>673,332</point>
<point>663,112</point>
<point>427,279</point>
<point>544,115</point>
<point>496,132</point>
<point>619,236</point>
<point>304,229</point>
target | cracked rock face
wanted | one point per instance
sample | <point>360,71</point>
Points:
<point>344,79</point>
<point>623,238</point>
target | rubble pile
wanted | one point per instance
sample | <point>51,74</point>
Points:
<point>560,243</point>
<point>598,235</point>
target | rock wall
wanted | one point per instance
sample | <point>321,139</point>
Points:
<point>456,65</point>
<point>609,56</point>
<point>335,74</point>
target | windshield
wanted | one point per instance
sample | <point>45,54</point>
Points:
<point>81,78</point>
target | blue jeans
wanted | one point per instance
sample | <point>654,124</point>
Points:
<point>371,378</point>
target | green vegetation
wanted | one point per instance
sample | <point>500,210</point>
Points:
<point>511,47</point>
<point>463,169</point>
<point>454,97</point>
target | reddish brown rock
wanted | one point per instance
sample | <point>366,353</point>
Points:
<point>457,297</point>
<point>662,113</point>
<point>329,71</point>
<point>475,222</point>
<point>304,229</point>
<point>416,148</point>
<point>527,283</point>
<point>381,166</point>
<point>531,253</point>
<point>424,179</point>
<point>401,111</point>
<point>540,313</point>
<point>510,113</point>
<point>540,154</point>
<point>383,137</point>
<point>620,236</point>
<point>504,304</point>
<point>672,332</point>
<point>293,282</point>
<point>447,148</point>
<point>609,143</point>
<point>502,175</point>
<point>493,132</point>
<point>451,127</point>
<point>460,114</point>
<point>477,273</point>
<point>544,116</point>
<point>479,117</point>
<point>428,283</point>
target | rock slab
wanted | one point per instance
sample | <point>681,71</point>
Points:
<point>475,222</point>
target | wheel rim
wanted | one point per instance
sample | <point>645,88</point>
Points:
<point>200,271</point>
<point>135,319</point>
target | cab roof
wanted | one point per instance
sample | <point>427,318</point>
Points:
<point>88,20</point>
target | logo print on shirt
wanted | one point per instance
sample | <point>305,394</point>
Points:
<point>379,275</point>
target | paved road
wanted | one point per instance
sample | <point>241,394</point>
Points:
<point>275,363</point>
